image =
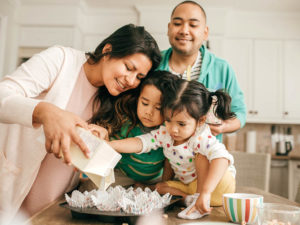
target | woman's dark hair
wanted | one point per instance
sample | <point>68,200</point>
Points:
<point>125,41</point>
<point>193,97</point>
<point>128,40</point>
<point>126,105</point>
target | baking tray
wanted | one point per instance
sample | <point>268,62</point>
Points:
<point>107,216</point>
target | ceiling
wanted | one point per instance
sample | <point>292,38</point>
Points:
<point>249,5</point>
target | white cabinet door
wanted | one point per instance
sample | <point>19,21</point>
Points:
<point>279,177</point>
<point>291,74</point>
<point>269,75</point>
<point>238,52</point>
<point>267,85</point>
<point>294,178</point>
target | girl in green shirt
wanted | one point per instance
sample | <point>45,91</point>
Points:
<point>137,112</point>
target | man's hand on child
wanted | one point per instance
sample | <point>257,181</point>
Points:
<point>217,128</point>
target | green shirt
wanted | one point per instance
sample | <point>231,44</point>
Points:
<point>140,167</point>
<point>216,74</point>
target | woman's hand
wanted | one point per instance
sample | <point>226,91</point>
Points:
<point>98,131</point>
<point>59,128</point>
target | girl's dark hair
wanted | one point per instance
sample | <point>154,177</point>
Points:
<point>126,105</point>
<point>193,97</point>
<point>125,41</point>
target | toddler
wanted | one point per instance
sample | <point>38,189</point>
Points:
<point>202,165</point>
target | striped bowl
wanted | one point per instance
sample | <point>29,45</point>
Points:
<point>240,207</point>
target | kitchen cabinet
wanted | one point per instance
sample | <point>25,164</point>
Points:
<point>266,86</point>
<point>238,52</point>
<point>294,178</point>
<point>268,73</point>
<point>291,80</point>
<point>279,177</point>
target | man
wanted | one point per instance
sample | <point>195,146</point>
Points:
<point>190,59</point>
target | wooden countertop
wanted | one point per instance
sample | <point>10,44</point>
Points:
<point>286,157</point>
<point>56,215</point>
<point>293,155</point>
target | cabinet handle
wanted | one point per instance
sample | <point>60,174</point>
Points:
<point>255,112</point>
<point>250,111</point>
<point>286,113</point>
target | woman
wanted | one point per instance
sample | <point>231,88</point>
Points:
<point>56,90</point>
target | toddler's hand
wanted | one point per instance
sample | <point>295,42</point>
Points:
<point>98,131</point>
<point>192,212</point>
<point>203,203</point>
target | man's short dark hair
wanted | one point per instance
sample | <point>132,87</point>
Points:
<point>190,2</point>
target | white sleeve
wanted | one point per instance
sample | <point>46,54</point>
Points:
<point>150,141</point>
<point>19,90</point>
<point>212,148</point>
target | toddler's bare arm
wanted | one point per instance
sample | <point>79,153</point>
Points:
<point>127,145</point>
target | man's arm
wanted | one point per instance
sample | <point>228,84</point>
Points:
<point>238,105</point>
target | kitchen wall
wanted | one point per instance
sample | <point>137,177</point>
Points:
<point>33,25</point>
<point>263,137</point>
<point>8,35</point>
<point>37,24</point>
<point>29,26</point>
